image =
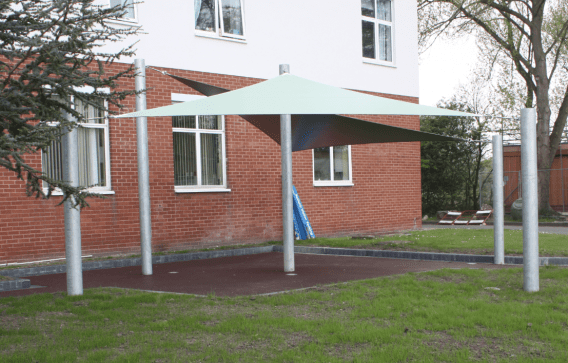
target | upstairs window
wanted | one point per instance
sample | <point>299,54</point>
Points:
<point>332,166</point>
<point>129,10</point>
<point>377,30</point>
<point>220,17</point>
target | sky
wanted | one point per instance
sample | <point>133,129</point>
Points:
<point>443,67</point>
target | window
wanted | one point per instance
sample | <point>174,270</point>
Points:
<point>199,153</point>
<point>94,156</point>
<point>332,166</point>
<point>220,18</point>
<point>377,32</point>
<point>129,11</point>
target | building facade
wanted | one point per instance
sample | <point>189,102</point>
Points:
<point>215,180</point>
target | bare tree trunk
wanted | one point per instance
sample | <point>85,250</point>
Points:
<point>543,110</point>
<point>543,181</point>
<point>544,160</point>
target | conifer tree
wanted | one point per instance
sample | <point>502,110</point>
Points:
<point>50,52</point>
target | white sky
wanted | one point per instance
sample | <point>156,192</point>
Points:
<point>443,67</point>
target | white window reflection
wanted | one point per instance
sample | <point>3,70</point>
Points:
<point>205,15</point>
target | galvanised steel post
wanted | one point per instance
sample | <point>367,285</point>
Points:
<point>287,201</point>
<point>72,215</point>
<point>530,199</point>
<point>498,205</point>
<point>143,169</point>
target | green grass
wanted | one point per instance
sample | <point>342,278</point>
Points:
<point>441,316</point>
<point>508,218</point>
<point>472,241</point>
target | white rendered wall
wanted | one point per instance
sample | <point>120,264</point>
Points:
<point>320,39</point>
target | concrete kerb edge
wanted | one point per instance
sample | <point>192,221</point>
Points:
<point>15,284</point>
<point>425,256</point>
<point>408,255</point>
<point>128,262</point>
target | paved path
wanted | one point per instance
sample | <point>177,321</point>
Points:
<point>243,275</point>
<point>541,229</point>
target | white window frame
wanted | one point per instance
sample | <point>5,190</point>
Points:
<point>219,32</point>
<point>333,183</point>
<point>99,190</point>
<point>106,4</point>
<point>177,97</point>
<point>376,21</point>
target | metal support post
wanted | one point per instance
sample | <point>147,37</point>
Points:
<point>530,200</point>
<point>72,215</point>
<point>562,176</point>
<point>498,205</point>
<point>480,183</point>
<point>143,169</point>
<point>287,201</point>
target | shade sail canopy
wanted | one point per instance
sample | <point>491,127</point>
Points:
<point>313,131</point>
<point>289,94</point>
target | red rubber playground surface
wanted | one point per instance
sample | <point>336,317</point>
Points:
<point>242,275</point>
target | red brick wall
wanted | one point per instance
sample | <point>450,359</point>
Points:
<point>385,195</point>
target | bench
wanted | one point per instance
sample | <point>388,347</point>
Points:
<point>468,217</point>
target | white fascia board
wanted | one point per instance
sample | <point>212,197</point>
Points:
<point>180,97</point>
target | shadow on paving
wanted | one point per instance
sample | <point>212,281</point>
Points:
<point>243,275</point>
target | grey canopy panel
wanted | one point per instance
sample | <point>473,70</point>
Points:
<point>203,88</point>
<point>313,131</point>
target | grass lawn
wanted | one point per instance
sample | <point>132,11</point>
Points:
<point>471,241</point>
<point>441,316</point>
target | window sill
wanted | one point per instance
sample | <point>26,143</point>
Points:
<point>201,190</point>
<point>124,21</point>
<point>57,193</point>
<point>332,184</point>
<point>379,63</point>
<point>215,36</point>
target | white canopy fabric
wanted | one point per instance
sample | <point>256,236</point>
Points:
<point>313,131</point>
<point>289,94</point>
